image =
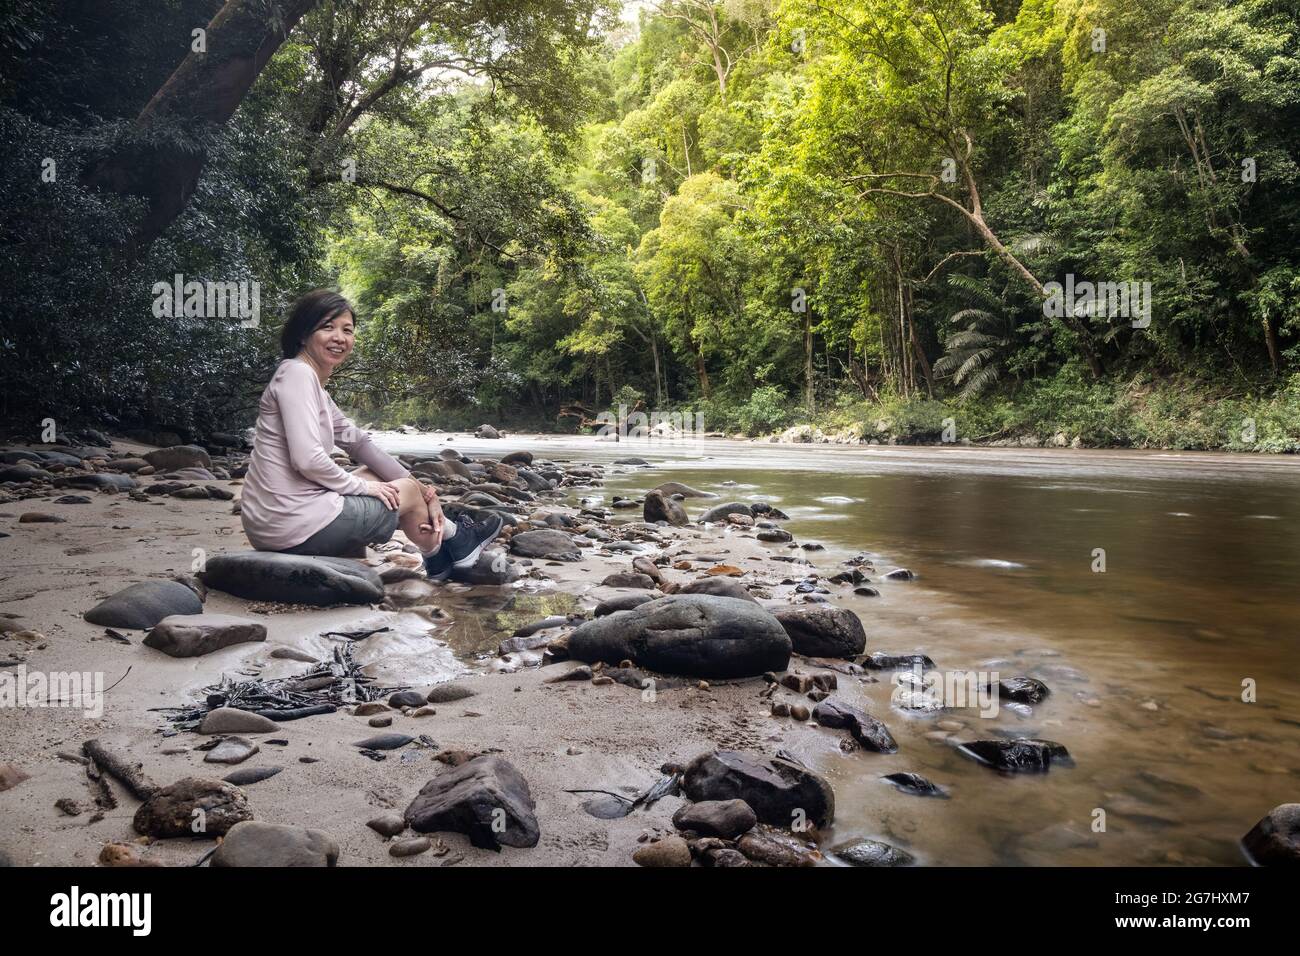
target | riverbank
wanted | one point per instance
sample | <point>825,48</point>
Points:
<point>1143,664</point>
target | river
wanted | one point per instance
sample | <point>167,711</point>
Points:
<point>1154,593</point>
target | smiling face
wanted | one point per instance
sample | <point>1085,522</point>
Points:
<point>330,345</point>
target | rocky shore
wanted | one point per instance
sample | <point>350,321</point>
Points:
<point>615,682</point>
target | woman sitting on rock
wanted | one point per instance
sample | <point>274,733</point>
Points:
<point>297,499</point>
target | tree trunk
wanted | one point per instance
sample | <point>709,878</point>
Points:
<point>809,401</point>
<point>654,351</point>
<point>701,372</point>
<point>166,152</point>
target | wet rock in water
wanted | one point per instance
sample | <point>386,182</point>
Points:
<point>1275,839</point>
<point>727,819</point>
<point>232,720</point>
<point>629,579</point>
<point>718,586</point>
<point>623,602</point>
<point>1024,690</point>
<point>874,853</point>
<point>293,579</point>
<point>915,784</point>
<point>899,574</point>
<point>388,824</point>
<point>251,775</point>
<point>485,798</point>
<point>193,635</point>
<point>866,592</point>
<point>178,456</point>
<point>407,698</point>
<point>670,488</point>
<point>669,851</point>
<point>173,810</point>
<point>866,730</point>
<point>384,742</point>
<point>773,847</point>
<point>545,543</point>
<point>231,750</point>
<point>410,592</point>
<point>446,693</point>
<point>141,606</point>
<point>885,661</point>
<point>774,536</point>
<point>1022,755</point>
<point>660,507</point>
<point>775,789</point>
<point>823,630</point>
<point>253,843</point>
<point>492,567</point>
<point>696,635</point>
<point>720,512</point>
<point>411,846</point>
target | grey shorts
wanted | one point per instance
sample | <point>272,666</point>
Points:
<point>364,520</point>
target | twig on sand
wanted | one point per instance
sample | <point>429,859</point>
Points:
<point>131,776</point>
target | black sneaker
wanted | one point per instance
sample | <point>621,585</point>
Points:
<point>471,538</point>
<point>437,566</point>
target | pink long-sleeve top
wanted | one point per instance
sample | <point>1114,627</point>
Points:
<point>293,488</point>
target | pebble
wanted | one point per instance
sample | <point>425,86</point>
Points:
<point>388,824</point>
<point>231,750</point>
<point>412,846</point>
<point>671,851</point>
<point>381,720</point>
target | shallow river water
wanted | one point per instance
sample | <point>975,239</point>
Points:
<point>1175,671</point>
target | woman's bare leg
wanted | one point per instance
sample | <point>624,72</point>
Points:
<point>412,511</point>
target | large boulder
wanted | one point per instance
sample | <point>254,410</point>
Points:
<point>823,630</point>
<point>698,635</point>
<point>193,635</point>
<point>485,798</point>
<point>659,507</point>
<point>1275,839</point>
<point>178,456</point>
<point>192,807</point>
<point>720,512</point>
<point>779,792</point>
<point>866,730</point>
<point>545,543</point>
<point>141,606</point>
<point>252,843</point>
<point>293,579</point>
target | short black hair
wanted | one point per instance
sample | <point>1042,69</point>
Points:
<point>307,315</point>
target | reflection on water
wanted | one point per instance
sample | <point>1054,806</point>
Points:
<point>1143,588</point>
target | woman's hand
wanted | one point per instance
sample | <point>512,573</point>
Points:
<point>436,517</point>
<point>386,492</point>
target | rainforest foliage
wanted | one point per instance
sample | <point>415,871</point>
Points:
<point>1037,216</point>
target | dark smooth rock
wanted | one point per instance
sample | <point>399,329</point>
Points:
<point>727,819</point>
<point>97,481</point>
<point>698,635</point>
<point>293,579</point>
<point>388,824</point>
<point>623,602</point>
<point>178,456</point>
<point>866,730</point>
<point>777,790</point>
<point>22,473</point>
<point>874,853</point>
<point>774,536</point>
<point>231,750</point>
<point>253,843</point>
<point>915,784</point>
<point>1021,755</point>
<point>517,458</point>
<point>170,811</point>
<point>141,606</point>
<point>670,488</point>
<point>1275,839</point>
<point>193,635</point>
<point>446,693</point>
<point>720,512</point>
<point>823,630</point>
<point>629,579</point>
<point>1023,690</point>
<point>406,698</point>
<point>249,775</point>
<point>232,720</point>
<point>545,543</point>
<point>659,507</point>
<point>492,567</point>
<point>384,742</point>
<point>485,798</point>
<point>900,574</point>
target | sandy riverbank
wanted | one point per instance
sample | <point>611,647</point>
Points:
<point>571,735</point>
